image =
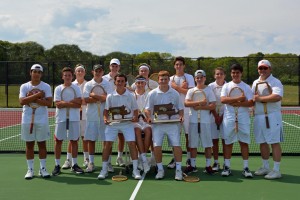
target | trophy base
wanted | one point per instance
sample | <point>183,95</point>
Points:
<point>119,121</point>
<point>164,121</point>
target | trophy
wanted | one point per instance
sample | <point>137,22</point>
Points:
<point>164,109</point>
<point>117,114</point>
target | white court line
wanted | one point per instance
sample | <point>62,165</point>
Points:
<point>15,135</point>
<point>291,125</point>
<point>10,126</point>
<point>137,187</point>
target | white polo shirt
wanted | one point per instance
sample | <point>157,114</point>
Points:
<point>81,86</point>
<point>60,114</point>
<point>41,113</point>
<point>277,88</point>
<point>127,99</point>
<point>204,114</point>
<point>92,108</point>
<point>156,97</point>
<point>243,112</point>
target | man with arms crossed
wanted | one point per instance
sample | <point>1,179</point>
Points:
<point>40,131</point>
<point>273,135</point>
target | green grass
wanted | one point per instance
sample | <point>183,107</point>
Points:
<point>291,96</point>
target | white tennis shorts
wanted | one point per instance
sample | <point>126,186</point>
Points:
<point>230,136</point>
<point>200,140</point>
<point>94,131</point>
<point>172,130</point>
<point>61,131</point>
<point>111,132</point>
<point>40,132</point>
<point>271,135</point>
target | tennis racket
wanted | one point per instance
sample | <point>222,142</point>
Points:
<point>33,106</point>
<point>179,80</point>
<point>199,95</point>
<point>120,177</point>
<point>130,79</point>
<point>98,90</point>
<point>264,89</point>
<point>236,92</point>
<point>154,77</point>
<point>217,91</point>
<point>190,179</point>
<point>67,95</point>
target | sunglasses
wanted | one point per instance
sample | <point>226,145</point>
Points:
<point>263,68</point>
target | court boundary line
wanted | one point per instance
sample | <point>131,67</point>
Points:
<point>291,125</point>
<point>137,187</point>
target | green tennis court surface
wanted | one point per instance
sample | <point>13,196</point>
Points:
<point>86,186</point>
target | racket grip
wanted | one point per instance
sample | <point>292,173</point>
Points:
<point>267,122</point>
<point>218,127</point>
<point>80,114</point>
<point>31,128</point>
<point>199,127</point>
<point>236,127</point>
<point>67,124</point>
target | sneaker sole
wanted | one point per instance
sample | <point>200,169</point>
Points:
<point>65,167</point>
<point>29,178</point>
<point>56,174</point>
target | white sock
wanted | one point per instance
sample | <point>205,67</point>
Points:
<point>144,159</point>
<point>134,164</point>
<point>85,155</point>
<point>160,166</point>
<point>120,154</point>
<point>74,161</point>
<point>208,162</point>
<point>104,165</point>
<point>57,162</point>
<point>276,166</point>
<point>245,162</point>
<point>193,162</point>
<point>188,155</point>
<point>266,164</point>
<point>30,164</point>
<point>227,162</point>
<point>178,166</point>
<point>109,159</point>
<point>42,163</point>
<point>216,161</point>
<point>69,156</point>
<point>91,158</point>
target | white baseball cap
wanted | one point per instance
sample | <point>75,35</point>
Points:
<point>37,67</point>
<point>114,61</point>
<point>265,63</point>
<point>200,72</point>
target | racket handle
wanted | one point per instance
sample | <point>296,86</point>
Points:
<point>199,127</point>
<point>267,122</point>
<point>67,124</point>
<point>31,127</point>
<point>80,114</point>
<point>218,127</point>
<point>236,126</point>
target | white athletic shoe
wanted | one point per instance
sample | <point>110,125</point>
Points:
<point>43,173</point>
<point>120,162</point>
<point>67,164</point>
<point>29,174</point>
<point>178,175</point>
<point>273,175</point>
<point>110,168</point>
<point>90,168</point>
<point>146,167</point>
<point>247,173</point>
<point>103,174</point>
<point>262,171</point>
<point>136,174</point>
<point>160,174</point>
<point>86,162</point>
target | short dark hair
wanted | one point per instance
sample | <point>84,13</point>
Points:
<point>179,58</point>
<point>163,73</point>
<point>236,66</point>
<point>121,75</point>
<point>67,69</point>
<point>220,69</point>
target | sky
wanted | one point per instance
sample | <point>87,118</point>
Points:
<point>190,28</point>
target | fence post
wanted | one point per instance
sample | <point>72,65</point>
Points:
<point>299,80</point>
<point>6,83</point>
<point>248,70</point>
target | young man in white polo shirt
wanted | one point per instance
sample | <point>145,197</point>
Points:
<point>274,134</point>
<point>95,125</point>
<point>114,68</point>
<point>243,133</point>
<point>120,97</point>
<point>40,130</point>
<point>182,82</point>
<point>164,94</point>
<point>60,121</point>
<point>204,136</point>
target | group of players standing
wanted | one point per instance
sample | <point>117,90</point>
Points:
<point>139,101</point>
